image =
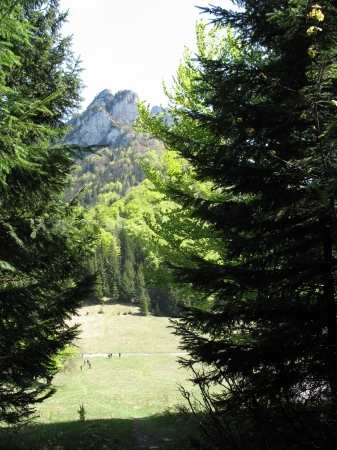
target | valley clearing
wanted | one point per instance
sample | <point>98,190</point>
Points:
<point>129,402</point>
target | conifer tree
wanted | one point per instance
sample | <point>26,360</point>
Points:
<point>44,242</point>
<point>128,273</point>
<point>113,273</point>
<point>142,295</point>
<point>144,303</point>
<point>257,118</point>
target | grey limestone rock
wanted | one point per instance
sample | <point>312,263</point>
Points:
<point>104,119</point>
<point>124,106</point>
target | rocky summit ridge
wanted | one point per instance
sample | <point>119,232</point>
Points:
<point>105,120</point>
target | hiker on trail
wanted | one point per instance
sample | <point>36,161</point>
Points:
<point>84,362</point>
<point>89,365</point>
<point>88,361</point>
<point>120,354</point>
<point>81,367</point>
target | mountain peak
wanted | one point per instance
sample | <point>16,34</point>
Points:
<point>123,106</point>
<point>102,122</point>
<point>102,98</point>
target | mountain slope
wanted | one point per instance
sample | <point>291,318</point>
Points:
<point>110,184</point>
<point>108,122</point>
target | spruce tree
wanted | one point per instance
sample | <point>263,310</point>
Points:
<point>144,303</point>
<point>44,242</point>
<point>128,274</point>
<point>113,272</point>
<point>258,120</point>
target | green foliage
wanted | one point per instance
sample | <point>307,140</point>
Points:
<point>120,201</point>
<point>61,361</point>
<point>124,259</point>
<point>81,413</point>
<point>44,242</point>
<point>254,127</point>
<point>144,303</point>
<point>108,174</point>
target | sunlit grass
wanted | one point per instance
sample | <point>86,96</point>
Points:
<point>134,385</point>
<point>113,331</point>
<point>126,399</point>
<point>126,387</point>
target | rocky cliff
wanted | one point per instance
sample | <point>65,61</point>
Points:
<point>106,121</point>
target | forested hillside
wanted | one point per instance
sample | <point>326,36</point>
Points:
<point>112,187</point>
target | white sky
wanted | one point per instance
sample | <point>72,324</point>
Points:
<point>132,44</point>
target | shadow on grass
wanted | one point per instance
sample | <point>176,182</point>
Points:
<point>170,431</point>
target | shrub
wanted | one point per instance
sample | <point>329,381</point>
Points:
<point>81,413</point>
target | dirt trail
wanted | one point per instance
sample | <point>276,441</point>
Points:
<point>144,441</point>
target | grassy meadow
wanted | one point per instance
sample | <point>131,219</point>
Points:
<point>129,401</point>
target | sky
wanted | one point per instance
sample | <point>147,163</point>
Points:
<point>132,44</point>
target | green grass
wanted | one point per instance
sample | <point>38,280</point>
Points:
<point>126,387</point>
<point>129,401</point>
<point>114,332</point>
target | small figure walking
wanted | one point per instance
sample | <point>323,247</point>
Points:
<point>81,367</point>
<point>84,362</point>
<point>119,354</point>
<point>89,365</point>
<point>87,361</point>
